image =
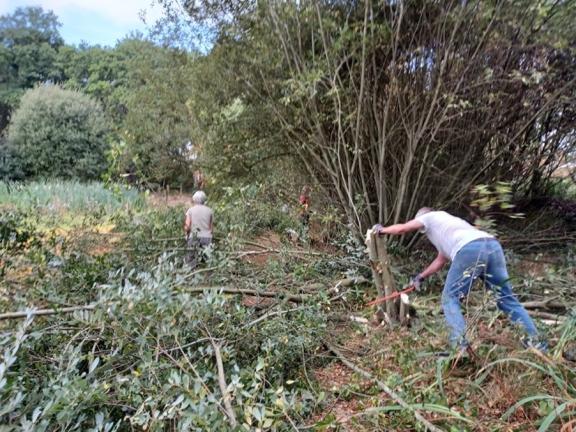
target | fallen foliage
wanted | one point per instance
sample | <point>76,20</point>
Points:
<point>133,339</point>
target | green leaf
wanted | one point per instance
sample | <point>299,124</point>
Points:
<point>94,364</point>
<point>549,419</point>
<point>524,401</point>
<point>260,365</point>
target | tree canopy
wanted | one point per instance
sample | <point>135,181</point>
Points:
<point>57,133</point>
<point>29,39</point>
<point>144,89</point>
<point>391,106</point>
<point>386,106</point>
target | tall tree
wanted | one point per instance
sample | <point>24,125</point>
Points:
<point>30,26</point>
<point>100,72</point>
<point>398,104</point>
<point>156,132</point>
<point>29,40</point>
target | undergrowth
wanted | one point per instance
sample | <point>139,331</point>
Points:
<point>142,356</point>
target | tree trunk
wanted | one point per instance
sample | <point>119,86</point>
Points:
<point>393,311</point>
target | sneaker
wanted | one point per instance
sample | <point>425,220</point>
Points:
<point>538,345</point>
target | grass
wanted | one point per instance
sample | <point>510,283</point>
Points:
<point>70,196</point>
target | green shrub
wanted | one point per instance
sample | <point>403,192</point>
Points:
<point>564,188</point>
<point>246,210</point>
<point>57,133</point>
<point>14,234</point>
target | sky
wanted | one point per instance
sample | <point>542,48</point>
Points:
<point>100,22</point>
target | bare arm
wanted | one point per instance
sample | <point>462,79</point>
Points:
<point>404,228</point>
<point>435,266</point>
<point>187,224</point>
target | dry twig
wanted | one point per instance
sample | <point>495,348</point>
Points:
<point>222,384</point>
<point>39,312</point>
<point>228,290</point>
<point>384,388</point>
<point>278,251</point>
<point>546,315</point>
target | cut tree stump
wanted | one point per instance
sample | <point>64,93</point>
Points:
<point>394,311</point>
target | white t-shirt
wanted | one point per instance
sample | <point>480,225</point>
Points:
<point>449,233</point>
<point>201,216</point>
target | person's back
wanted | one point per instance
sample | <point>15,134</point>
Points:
<point>449,233</point>
<point>201,221</point>
<point>475,254</point>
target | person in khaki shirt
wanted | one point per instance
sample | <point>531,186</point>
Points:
<point>198,227</point>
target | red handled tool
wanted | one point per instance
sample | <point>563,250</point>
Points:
<point>391,296</point>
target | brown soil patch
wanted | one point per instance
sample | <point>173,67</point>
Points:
<point>18,274</point>
<point>343,411</point>
<point>161,199</point>
<point>256,251</point>
<point>101,240</point>
<point>260,259</point>
<point>105,244</point>
<point>534,266</point>
<point>257,302</point>
<point>335,379</point>
<point>500,334</point>
<point>269,240</point>
<point>347,389</point>
<point>334,376</point>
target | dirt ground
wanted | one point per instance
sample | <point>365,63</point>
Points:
<point>173,199</point>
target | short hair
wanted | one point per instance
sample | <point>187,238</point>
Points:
<point>424,210</point>
<point>199,197</point>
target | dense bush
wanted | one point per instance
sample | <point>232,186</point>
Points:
<point>155,134</point>
<point>57,133</point>
<point>244,210</point>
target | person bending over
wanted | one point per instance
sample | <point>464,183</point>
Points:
<point>474,254</point>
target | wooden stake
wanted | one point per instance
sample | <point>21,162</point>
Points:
<point>392,311</point>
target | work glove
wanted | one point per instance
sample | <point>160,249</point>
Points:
<point>376,228</point>
<point>416,282</point>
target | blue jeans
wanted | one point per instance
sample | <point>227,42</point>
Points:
<point>482,258</point>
